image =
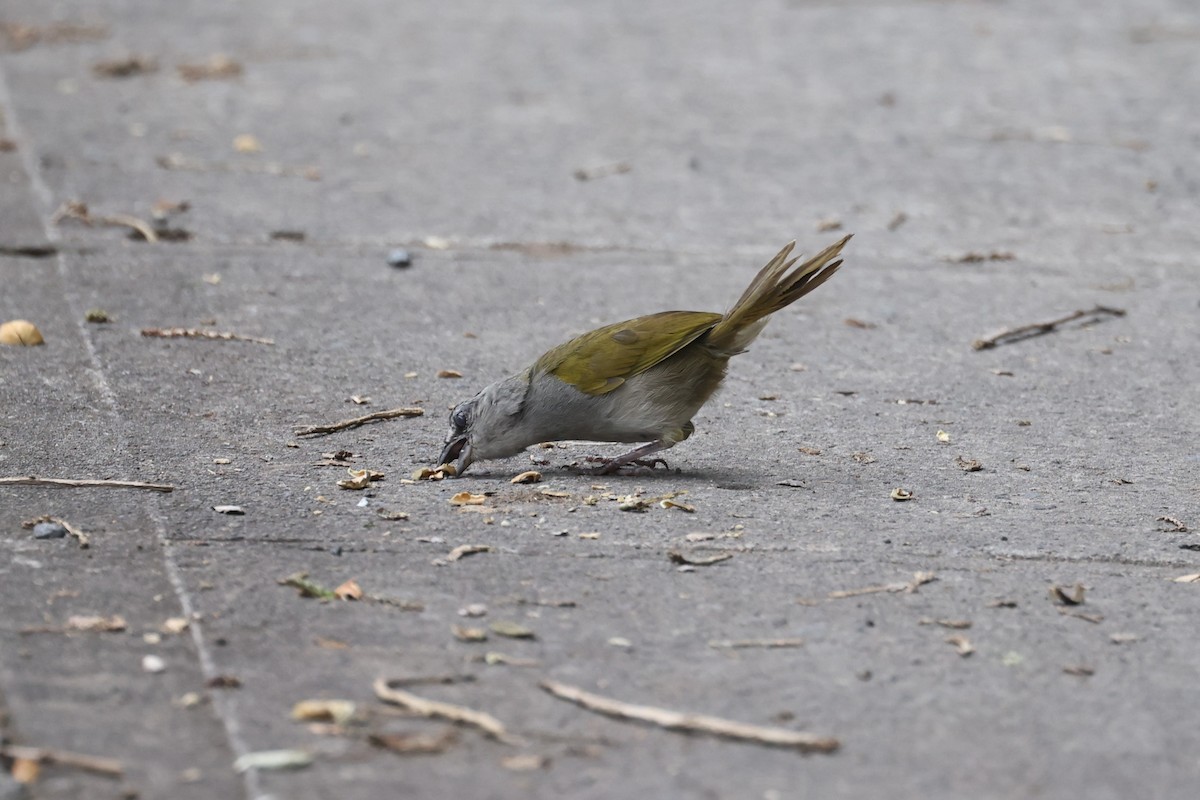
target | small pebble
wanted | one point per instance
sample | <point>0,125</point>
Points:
<point>153,664</point>
<point>399,258</point>
<point>49,530</point>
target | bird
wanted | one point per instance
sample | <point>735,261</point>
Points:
<point>640,380</point>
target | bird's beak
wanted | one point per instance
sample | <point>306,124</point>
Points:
<point>457,452</point>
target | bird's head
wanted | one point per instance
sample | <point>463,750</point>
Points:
<point>489,425</point>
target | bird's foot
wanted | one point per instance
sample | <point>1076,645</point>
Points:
<point>621,466</point>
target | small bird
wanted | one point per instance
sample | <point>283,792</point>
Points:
<point>634,381</point>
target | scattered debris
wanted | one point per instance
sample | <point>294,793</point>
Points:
<point>391,516</point>
<point>20,332</point>
<point>63,758</point>
<point>200,333</point>
<point>321,430</point>
<point>48,527</point>
<point>863,458</point>
<point>223,682</point>
<point>968,464</point>
<point>897,221</point>
<point>530,476</point>
<point>77,210</point>
<point>667,502</point>
<point>512,630</point>
<point>1067,597</point>
<point>677,557</point>
<point>829,224</point>
<point>467,634</point>
<point>218,67</point>
<point>1002,603</point>
<point>1176,525</point>
<point>1123,638</point>
<point>900,495</point>
<point>360,479</point>
<point>910,587</point>
<point>525,762</point>
<point>467,499</point>
<point>1021,332</point>
<point>97,316</point>
<point>1192,578</point>
<point>410,744</point>
<point>602,171</point>
<point>693,723</point>
<point>467,549</point>
<point>273,760</point>
<point>235,511</point>
<point>860,324</point>
<point>175,625</point>
<point>1067,611</point>
<point>962,645</point>
<point>943,437</point>
<point>975,257</point>
<point>739,644</point>
<point>32,480</point>
<point>493,659</point>
<point>125,67</point>
<point>177,161</point>
<point>1082,670</point>
<point>385,691</point>
<point>448,373</point>
<point>440,472</point>
<point>336,711</point>
<point>22,37</point>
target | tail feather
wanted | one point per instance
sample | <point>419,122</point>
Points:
<point>773,288</point>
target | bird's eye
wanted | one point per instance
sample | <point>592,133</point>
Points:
<point>459,418</point>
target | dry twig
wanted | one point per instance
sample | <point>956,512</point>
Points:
<point>46,755</point>
<point>392,413</point>
<point>448,711</point>
<point>1010,335</point>
<point>33,480</point>
<point>909,587</point>
<point>738,644</point>
<point>73,209</point>
<point>199,333</point>
<point>693,723</point>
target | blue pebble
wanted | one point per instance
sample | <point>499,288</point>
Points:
<point>399,258</point>
<point>49,530</point>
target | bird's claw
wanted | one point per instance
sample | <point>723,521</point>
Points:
<point>614,466</point>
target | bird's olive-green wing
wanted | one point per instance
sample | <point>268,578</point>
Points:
<point>601,360</point>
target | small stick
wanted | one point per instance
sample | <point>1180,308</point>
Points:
<point>321,430</point>
<point>198,333</point>
<point>737,644</point>
<point>919,579</point>
<point>45,755</point>
<point>693,723</point>
<point>33,480</point>
<point>80,536</point>
<point>433,708</point>
<point>1010,335</point>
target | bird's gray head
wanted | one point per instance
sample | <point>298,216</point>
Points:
<point>489,425</point>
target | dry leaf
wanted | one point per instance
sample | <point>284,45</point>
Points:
<point>350,590</point>
<point>96,624</point>
<point>512,630</point>
<point>20,332</point>
<point>449,373</point>
<point>468,499</point>
<point>900,495</point>
<point>336,711</point>
<point>968,464</point>
<point>1067,597</point>
<point>943,437</point>
<point>633,503</point>
<point>810,451</point>
<point>863,458</point>
<point>415,743</point>
<point>530,476</point>
<point>667,502</point>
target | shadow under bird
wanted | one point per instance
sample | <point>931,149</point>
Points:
<point>640,380</point>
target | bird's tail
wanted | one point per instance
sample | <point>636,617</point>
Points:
<point>772,289</point>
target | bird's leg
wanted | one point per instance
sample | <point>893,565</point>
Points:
<point>635,457</point>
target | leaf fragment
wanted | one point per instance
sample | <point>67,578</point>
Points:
<point>529,476</point>
<point>900,495</point>
<point>323,710</point>
<point>512,630</point>
<point>1072,596</point>
<point>468,499</point>
<point>273,760</point>
<point>350,590</point>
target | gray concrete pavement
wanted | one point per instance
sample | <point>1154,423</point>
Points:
<point>1064,136</point>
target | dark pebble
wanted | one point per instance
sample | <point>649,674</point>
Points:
<point>399,258</point>
<point>49,530</point>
